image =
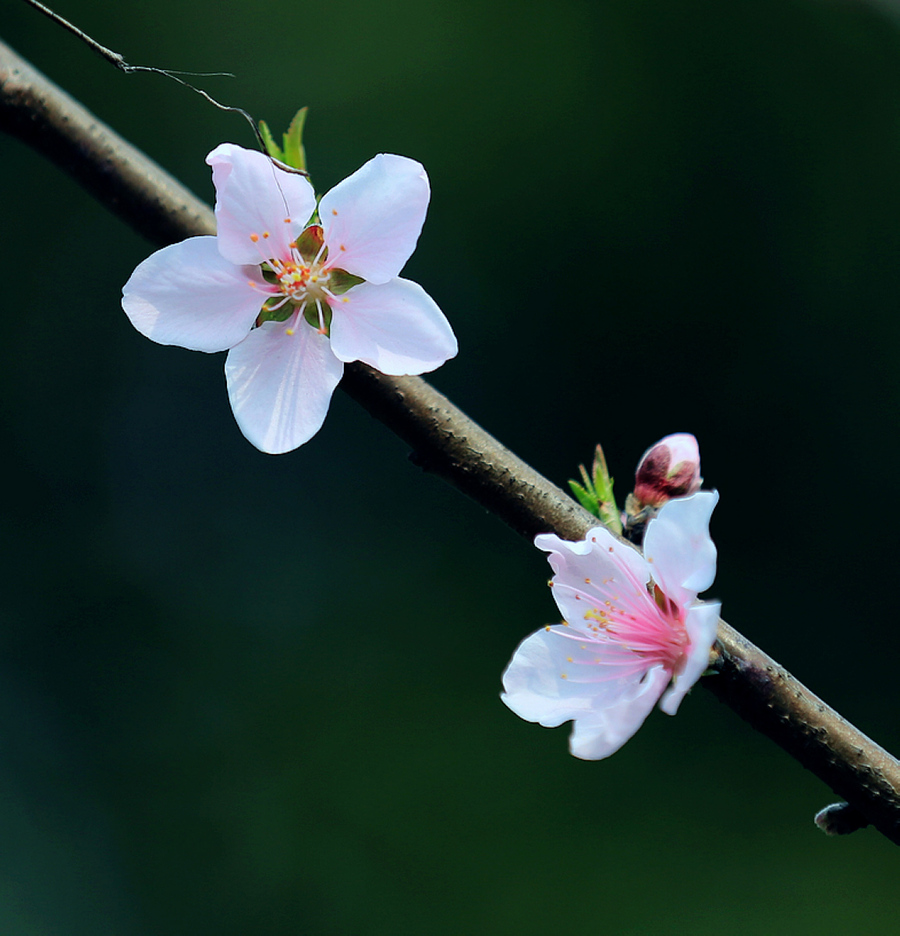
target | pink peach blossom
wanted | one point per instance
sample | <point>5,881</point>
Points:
<point>634,632</point>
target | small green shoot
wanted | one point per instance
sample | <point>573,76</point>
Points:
<point>292,152</point>
<point>596,493</point>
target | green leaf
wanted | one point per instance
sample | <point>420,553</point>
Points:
<point>294,153</point>
<point>587,499</point>
<point>271,146</point>
<point>609,514</point>
<point>596,495</point>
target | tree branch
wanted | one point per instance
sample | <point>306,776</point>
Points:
<point>449,444</point>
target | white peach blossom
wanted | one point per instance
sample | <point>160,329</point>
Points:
<point>293,291</point>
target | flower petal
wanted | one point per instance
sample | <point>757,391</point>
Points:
<point>556,675</point>
<point>678,544</point>
<point>395,327</point>
<point>549,680</point>
<point>599,567</point>
<point>701,623</point>
<point>532,683</point>
<point>280,385</point>
<point>373,218</point>
<point>187,294</point>
<point>604,732</point>
<point>254,196</point>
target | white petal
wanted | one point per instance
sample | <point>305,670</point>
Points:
<point>187,294</point>
<point>254,196</point>
<point>533,685</point>
<point>280,385</point>
<point>395,327</point>
<point>701,623</point>
<point>599,566</point>
<point>678,545</point>
<point>603,734</point>
<point>373,218</point>
<point>555,676</point>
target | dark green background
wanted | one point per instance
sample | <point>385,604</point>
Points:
<point>243,694</point>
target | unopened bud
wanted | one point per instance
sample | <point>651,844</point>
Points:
<point>671,468</point>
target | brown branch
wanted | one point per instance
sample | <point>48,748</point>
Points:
<point>446,442</point>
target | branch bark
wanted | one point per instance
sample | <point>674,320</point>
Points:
<point>449,444</point>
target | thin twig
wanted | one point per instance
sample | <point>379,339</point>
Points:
<point>449,444</point>
<point>118,60</point>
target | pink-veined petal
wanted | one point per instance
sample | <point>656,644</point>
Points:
<point>280,385</point>
<point>532,683</point>
<point>701,623</point>
<point>614,570</point>
<point>187,294</point>
<point>395,327</point>
<point>554,677</point>
<point>254,196</point>
<point>678,544</point>
<point>602,733</point>
<point>372,220</point>
<point>558,670</point>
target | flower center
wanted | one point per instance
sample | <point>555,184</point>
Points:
<point>651,625</point>
<point>301,284</point>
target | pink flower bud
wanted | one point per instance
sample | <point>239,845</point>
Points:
<point>671,468</point>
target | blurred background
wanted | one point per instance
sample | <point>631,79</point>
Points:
<point>251,694</point>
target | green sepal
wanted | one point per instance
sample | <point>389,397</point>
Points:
<point>311,314</point>
<point>339,281</point>
<point>294,153</point>
<point>272,147</point>
<point>281,314</point>
<point>309,243</point>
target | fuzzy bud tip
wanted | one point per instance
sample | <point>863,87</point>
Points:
<point>670,468</point>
